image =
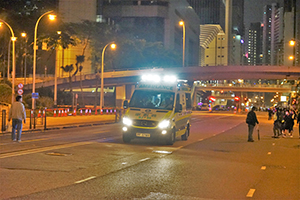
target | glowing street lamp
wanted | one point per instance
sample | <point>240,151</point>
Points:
<point>181,23</point>
<point>292,42</point>
<point>113,46</point>
<point>51,17</point>
<point>13,39</point>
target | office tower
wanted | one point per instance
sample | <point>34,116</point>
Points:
<point>255,44</point>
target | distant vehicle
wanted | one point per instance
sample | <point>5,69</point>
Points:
<point>219,108</point>
<point>203,106</point>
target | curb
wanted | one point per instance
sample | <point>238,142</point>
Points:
<point>63,127</point>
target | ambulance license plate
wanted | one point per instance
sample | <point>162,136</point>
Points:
<point>142,134</point>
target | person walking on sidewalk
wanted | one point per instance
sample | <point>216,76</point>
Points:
<point>251,120</point>
<point>17,113</point>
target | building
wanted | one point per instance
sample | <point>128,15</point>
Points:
<point>213,46</point>
<point>291,32</point>
<point>155,21</point>
<point>255,44</point>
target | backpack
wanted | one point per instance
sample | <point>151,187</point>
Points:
<point>249,119</point>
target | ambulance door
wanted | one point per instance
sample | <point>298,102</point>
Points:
<point>184,108</point>
<point>179,120</point>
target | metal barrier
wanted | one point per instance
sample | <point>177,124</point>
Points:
<point>3,127</point>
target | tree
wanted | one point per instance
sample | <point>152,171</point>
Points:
<point>79,61</point>
<point>69,69</point>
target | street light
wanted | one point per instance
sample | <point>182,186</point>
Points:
<point>51,17</point>
<point>24,35</point>
<point>13,39</point>
<point>113,46</point>
<point>181,23</point>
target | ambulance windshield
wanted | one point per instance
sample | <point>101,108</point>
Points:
<point>152,99</point>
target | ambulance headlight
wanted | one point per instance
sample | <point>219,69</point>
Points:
<point>164,124</point>
<point>127,121</point>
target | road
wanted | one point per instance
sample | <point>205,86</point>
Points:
<point>92,162</point>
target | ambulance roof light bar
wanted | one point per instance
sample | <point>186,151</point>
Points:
<point>158,79</point>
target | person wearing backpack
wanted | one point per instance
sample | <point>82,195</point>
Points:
<point>251,120</point>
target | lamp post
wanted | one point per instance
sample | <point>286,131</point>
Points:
<point>113,46</point>
<point>24,35</point>
<point>181,23</point>
<point>51,17</point>
<point>13,39</point>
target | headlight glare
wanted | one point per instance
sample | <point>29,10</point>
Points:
<point>164,124</point>
<point>127,121</point>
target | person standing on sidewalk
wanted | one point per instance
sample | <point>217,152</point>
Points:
<point>251,120</point>
<point>17,113</point>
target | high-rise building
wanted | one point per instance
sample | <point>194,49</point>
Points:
<point>291,32</point>
<point>155,21</point>
<point>213,46</point>
<point>272,27</point>
<point>255,44</point>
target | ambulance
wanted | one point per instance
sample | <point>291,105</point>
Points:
<point>160,109</point>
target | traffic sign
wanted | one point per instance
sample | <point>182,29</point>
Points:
<point>20,85</point>
<point>35,95</point>
<point>20,91</point>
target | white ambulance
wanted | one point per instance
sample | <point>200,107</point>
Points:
<point>160,109</point>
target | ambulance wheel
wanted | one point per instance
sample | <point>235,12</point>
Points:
<point>126,138</point>
<point>186,134</point>
<point>171,138</point>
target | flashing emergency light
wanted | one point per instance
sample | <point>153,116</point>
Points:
<point>157,78</point>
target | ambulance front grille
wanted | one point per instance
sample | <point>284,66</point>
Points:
<point>145,123</point>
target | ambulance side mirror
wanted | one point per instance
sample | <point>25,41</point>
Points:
<point>125,104</point>
<point>178,108</point>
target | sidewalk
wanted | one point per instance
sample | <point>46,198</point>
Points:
<point>68,122</point>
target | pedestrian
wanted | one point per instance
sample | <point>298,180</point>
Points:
<point>298,122</point>
<point>17,113</point>
<point>251,120</point>
<point>277,124</point>
<point>288,124</point>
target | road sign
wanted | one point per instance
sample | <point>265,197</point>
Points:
<point>20,91</point>
<point>20,85</point>
<point>35,95</point>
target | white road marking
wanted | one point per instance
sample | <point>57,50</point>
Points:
<point>269,153</point>
<point>201,139</point>
<point>144,159</point>
<point>263,168</point>
<point>92,177</point>
<point>31,151</point>
<point>273,144</point>
<point>124,163</point>
<point>250,193</point>
<point>163,152</point>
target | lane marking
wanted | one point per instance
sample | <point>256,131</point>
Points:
<point>273,144</point>
<point>201,139</point>
<point>263,168</point>
<point>124,163</point>
<point>31,151</point>
<point>269,153</point>
<point>144,159</point>
<point>250,193</point>
<point>87,179</point>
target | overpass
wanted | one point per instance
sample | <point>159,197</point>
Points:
<point>117,78</point>
<point>209,78</point>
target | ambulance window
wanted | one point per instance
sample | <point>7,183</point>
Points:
<point>188,100</point>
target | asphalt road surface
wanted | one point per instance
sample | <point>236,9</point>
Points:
<point>92,162</point>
